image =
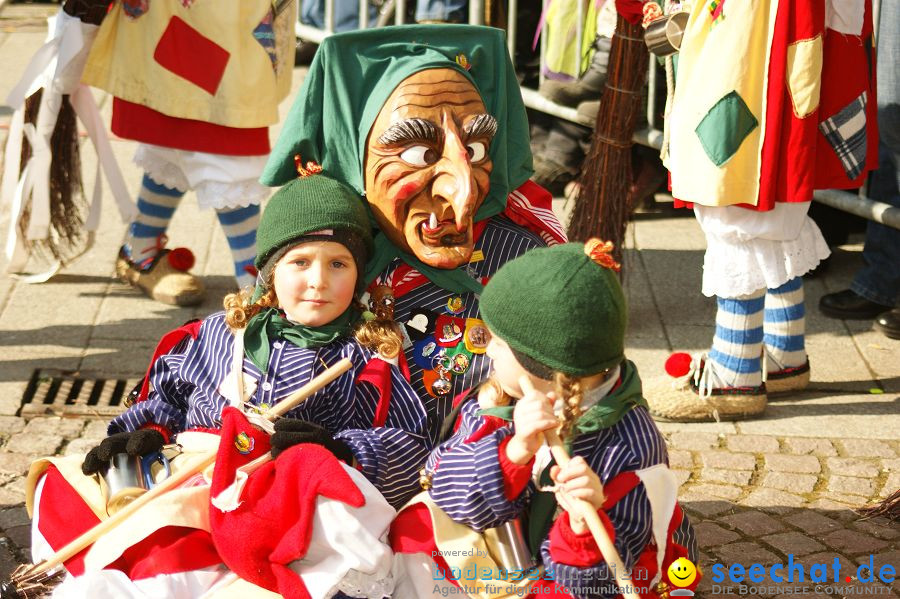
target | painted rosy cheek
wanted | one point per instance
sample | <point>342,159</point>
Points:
<point>406,191</point>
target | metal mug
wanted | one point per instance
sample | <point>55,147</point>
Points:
<point>129,477</point>
<point>663,35</point>
<point>508,546</point>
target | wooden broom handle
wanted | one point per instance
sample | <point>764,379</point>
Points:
<point>90,536</point>
<point>587,512</point>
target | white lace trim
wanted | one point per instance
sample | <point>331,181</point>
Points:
<point>220,182</point>
<point>733,269</point>
<point>357,584</point>
<point>240,194</point>
<point>160,170</point>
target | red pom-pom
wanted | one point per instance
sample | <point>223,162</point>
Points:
<point>678,364</point>
<point>181,259</point>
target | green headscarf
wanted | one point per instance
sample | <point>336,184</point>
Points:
<point>351,78</point>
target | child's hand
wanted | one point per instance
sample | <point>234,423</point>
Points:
<point>578,481</point>
<point>532,416</point>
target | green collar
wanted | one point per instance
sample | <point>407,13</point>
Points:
<point>607,412</point>
<point>269,324</point>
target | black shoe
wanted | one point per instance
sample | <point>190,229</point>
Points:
<point>889,324</point>
<point>848,305</point>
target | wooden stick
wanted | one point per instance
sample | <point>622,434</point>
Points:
<point>90,536</point>
<point>587,512</point>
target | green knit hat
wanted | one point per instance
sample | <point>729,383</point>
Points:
<point>312,204</point>
<point>559,307</point>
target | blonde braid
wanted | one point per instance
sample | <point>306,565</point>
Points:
<point>569,390</point>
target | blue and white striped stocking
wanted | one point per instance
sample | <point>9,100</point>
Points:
<point>239,226</point>
<point>737,346</point>
<point>156,205</point>
<point>785,326</point>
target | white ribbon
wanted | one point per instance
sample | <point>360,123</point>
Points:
<point>56,67</point>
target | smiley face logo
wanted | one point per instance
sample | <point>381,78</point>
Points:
<point>682,572</point>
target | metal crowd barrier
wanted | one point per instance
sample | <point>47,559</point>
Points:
<point>394,11</point>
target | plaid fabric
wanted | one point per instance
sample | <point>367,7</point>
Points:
<point>846,132</point>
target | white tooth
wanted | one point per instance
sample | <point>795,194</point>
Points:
<point>433,221</point>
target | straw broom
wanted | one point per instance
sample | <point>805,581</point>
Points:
<point>586,512</point>
<point>35,580</point>
<point>602,206</point>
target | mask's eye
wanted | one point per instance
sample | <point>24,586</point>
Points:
<point>419,156</point>
<point>477,151</point>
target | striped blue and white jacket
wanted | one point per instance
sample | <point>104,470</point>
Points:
<point>468,485</point>
<point>501,241</point>
<point>185,395</point>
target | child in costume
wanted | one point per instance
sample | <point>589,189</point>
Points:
<point>314,239</point>
<point>556,316</point>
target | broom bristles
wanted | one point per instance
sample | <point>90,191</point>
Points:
<point>889,508</point>
<point>68,205</point>
<point>25,584</point>
<point>602,206</point>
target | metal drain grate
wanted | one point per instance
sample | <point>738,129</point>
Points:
<point>72,394</point>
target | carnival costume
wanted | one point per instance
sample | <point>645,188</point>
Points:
<point>472,481</point>
<point>351,78</point>
<point>275,526</point>
<point>772,101</point>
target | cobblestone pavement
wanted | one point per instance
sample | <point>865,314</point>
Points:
<point>757,491</point>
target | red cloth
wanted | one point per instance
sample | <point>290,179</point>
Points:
<point>515,476</point>
<point>631,10</point>
<point>848,69</point>
<point>273,524</point>
<point>412,532</point>
<point>191,55</point>
<point>788,158</point>
<point>63,517</point>
<point>581,550</point>
<point>531,206</point>
<point>133,121</point>
<point>377,373</point>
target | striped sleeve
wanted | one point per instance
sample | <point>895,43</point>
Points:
<point>390,459</point>
<point>167,403</point>
<point>391,456</point>
<point>468,481</point>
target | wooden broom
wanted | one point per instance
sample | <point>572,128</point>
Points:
<point>34,580</point>
<point>602,206</point>
<point>587,512</point>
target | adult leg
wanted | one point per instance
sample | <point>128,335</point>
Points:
<point>143,261</point>
<point>239,226</point>
<point>787,366</point>
<point>876,287</point>
<point>156,204</point>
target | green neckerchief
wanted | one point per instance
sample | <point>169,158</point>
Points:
<point>605,413</point>
<point>269,324</point>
